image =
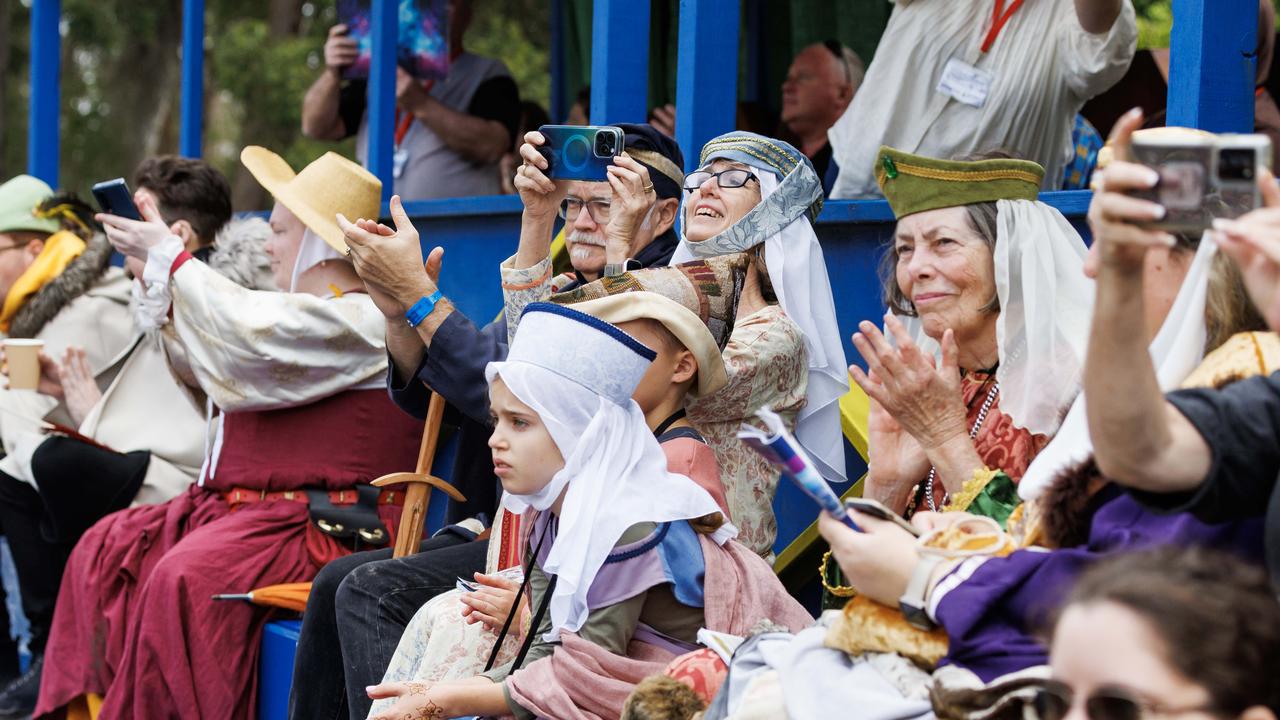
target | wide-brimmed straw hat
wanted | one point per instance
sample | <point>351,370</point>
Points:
<point>330,185</point>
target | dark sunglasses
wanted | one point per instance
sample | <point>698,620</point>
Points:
<point>1054,700</point>
<point>731,178</point>
<point>835,47</point>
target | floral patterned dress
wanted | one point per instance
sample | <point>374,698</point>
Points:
<point>768,366</point>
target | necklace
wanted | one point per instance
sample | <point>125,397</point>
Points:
<point>973,433</point>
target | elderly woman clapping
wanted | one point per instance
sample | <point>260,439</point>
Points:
<point>995,278</point>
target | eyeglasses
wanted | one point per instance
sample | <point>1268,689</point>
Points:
<point>571,207</point>
<point>1054,700</point>
<point>731,178</point>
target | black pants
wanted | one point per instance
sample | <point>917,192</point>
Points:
<point>38,560</point>
<point>358,609</point>
<point>79,485</point>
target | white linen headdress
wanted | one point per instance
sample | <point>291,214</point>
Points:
<point>1045,305</point>
<point>1176,350</point>
<point>312,251</point>
<point>578,373</point>
<point>798,272</point>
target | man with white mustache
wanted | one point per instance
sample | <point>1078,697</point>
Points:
<point>624,223</point>
<point>360,604</point>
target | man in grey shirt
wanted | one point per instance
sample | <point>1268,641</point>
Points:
<point>449,134</point>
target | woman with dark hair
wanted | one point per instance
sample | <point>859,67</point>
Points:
<point>1193,634</point>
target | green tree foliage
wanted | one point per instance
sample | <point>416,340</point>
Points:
<point>121,79</point>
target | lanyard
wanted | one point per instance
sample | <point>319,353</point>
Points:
<point>404,119</point>
<point>998,20</point>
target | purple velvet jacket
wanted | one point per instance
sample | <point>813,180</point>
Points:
<point>994,609</point>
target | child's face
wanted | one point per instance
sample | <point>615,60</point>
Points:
<point>672,366</point>
<point>525,457</point>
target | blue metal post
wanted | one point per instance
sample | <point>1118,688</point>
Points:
<point>1212,64</point>
<point>707,86</point>
<point>620,61</point>
<point>191,142</point>
<point>558,107</point>
<point>46,90</point>
<point>382,93</point>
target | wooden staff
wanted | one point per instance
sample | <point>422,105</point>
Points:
<point>418,494</point>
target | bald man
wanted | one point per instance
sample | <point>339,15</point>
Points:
<point>821,82</point>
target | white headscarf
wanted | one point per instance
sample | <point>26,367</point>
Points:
<point>1177,349</point>
<point>798,273</point>
<point>578,375</point>
<point>1045,305</point>
<point>312,251</point>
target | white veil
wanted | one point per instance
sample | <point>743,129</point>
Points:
<point>1177,349</point>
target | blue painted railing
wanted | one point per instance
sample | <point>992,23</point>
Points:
<point>46,90</point>
<point>706,84</point>
<point>191,134</point>
<point>619,61</point>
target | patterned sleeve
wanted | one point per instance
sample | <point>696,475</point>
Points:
<point>521,286</point>
<point>766,365</point>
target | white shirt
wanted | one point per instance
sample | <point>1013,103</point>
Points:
<point>1044,67</point>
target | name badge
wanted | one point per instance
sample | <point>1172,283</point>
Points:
<point>399,159</point>
<point>965,83</point>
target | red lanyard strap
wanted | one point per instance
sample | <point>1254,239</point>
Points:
<point>999,19</point>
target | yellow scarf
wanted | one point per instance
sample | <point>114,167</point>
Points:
<point>59,250</point>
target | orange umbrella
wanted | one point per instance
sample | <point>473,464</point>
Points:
<point>289,596</point>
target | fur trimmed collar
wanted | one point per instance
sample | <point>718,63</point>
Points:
<point>79,276</point>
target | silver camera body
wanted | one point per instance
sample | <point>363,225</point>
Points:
<point>1202,176</point>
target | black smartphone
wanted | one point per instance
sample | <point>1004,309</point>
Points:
<point>580,152</point>
<point>114,198</point>
<point>879,511</point>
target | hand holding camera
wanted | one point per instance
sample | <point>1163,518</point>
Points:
<point>540,194</point>
<point>633,199</point>
<point>1253,242</point>
<point>1116,216</point>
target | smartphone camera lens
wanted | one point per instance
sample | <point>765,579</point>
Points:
<point>605,144</point>
<point>1236,164</point>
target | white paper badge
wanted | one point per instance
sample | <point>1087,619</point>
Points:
<point>399,159</point>
<point>965,83</point>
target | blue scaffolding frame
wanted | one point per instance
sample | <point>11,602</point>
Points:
<point>1210,77</point>
<point>1211,86</point>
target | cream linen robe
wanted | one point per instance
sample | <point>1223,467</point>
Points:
<point>1045,67</point>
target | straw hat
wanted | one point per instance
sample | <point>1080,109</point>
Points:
<point>330,185</point>
<point>685,324</point>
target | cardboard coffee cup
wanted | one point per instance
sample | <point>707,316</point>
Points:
<point>23,358</point>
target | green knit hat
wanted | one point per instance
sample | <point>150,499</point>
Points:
<point>914,183</point>
<point>19,199</point>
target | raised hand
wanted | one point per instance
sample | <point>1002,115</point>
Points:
<point>1117,241</point>
<point>389,261</point>
<point>896,462</point>
<point>633,198</point>
<point>339,49</point>
<point>135,238</point>
<point>1253,242</point>
<point>924,398</point>
<point>540,194</point>
<point>80,390</point>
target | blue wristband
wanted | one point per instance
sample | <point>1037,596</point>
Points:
<point>422,308</point>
